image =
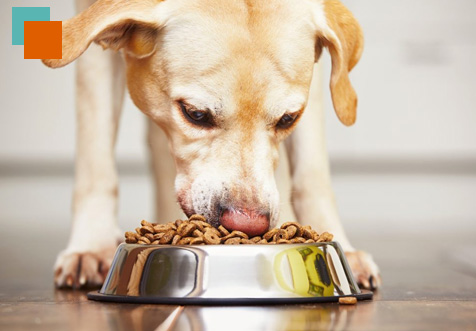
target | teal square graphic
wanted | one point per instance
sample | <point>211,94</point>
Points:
<point>22,14</point>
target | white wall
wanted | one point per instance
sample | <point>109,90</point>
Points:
<point>416,81</point>
<point>37,118</point>
<point>416,84</point>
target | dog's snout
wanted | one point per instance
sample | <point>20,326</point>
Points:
<point>251,222</point>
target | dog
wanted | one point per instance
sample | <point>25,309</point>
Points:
<point>226,81</point>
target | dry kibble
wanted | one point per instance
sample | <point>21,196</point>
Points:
<point>157,236</point>
<point>149,236</point>
<point>131,236</point>
<point>315,235</point>
<point>235,234</point>
<point>186,229</point>
<point>205,224</point>
<point>298,240</point>
<point>223,230</point>
<point>281,234</point>
<point>131,240</point>
<point>288,224</point>
<point>176,239</point>
<point>145,239</point>
<point>167,237</point>
<point>162,227</point>
<point>146,229</point>
<point>233,241</point>
<point>225,238</point>
<point>291,230</point>
<point>325,237</point>
<point>348,300</point>
<point>196,231</point>
<point>185,241</point>
<point>197,241</point>
<point>290,227</point>
<point>298,233</point>
<point>199,225</point>
<point>240,234</point>
<point>270,234</point>
<point>211,238</point>
<point>196,217</point>
<point>145,223</point>
<point>307,233</point>
<point>215,231</point>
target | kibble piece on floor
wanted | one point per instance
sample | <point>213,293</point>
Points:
<point>348,301</point>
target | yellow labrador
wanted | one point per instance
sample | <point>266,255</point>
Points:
<point>227,81</point>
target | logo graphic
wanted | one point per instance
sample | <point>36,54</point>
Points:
<point>42,38</point>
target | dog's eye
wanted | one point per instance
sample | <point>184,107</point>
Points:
<point>286,121</point>
<point>195,116</point>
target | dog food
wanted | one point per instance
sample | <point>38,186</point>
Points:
<point>196,231</point>
<point>348,301</point>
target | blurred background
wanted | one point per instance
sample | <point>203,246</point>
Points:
<point>407,166</point>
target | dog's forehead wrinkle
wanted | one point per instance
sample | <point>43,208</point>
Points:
<point>202,97</point>
<point>210,36</point>
<point>281,102</point>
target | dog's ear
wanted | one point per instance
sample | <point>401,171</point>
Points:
<point>344,39</point>
<point>115,24</point>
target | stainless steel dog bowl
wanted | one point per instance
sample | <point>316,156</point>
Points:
<point>229,274</point>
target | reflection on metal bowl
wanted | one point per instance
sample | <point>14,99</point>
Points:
<point>229,274</point>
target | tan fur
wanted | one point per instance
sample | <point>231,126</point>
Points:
<point>346,48</point>
<point>104,22</point>
<point>245,62</point>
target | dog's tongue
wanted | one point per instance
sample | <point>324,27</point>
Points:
<point>246,221</point>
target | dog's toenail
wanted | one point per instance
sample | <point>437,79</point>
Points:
<point>365,282</point>
<point>82,280</point>
<point>372,283</point>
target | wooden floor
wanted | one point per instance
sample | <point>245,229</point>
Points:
<point>429,284</point>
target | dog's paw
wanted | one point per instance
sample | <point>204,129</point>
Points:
<point>83,269</point>
<point>365,271</point>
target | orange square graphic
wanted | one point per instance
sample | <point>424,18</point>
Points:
<point>43,40</point>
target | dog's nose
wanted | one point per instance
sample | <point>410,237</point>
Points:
<point>250,222</point>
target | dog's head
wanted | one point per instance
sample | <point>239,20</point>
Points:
<point>227,81</point>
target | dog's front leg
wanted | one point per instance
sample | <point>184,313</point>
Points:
<point>163,169</point>
<point>95,233</point>
<point>312,194</point>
